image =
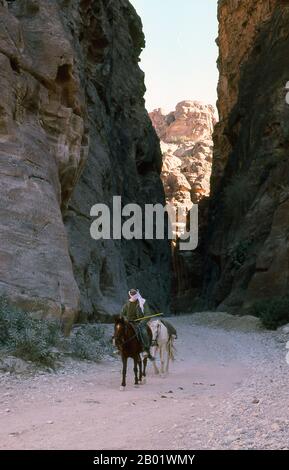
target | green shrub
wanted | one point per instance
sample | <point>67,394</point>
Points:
<point>42,342</point>
<point>29,338</point>
<point>89,342</point>
<point>273,312</point>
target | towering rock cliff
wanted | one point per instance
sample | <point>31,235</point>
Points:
<point>73,133</point>
<point>247,241</point>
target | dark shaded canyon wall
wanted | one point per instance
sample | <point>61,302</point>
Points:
<point>248,234</point>
<point>73,133</point>
<point>124,159</point>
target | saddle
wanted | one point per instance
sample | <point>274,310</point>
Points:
<point>171,329</point>
<point>137,329</point>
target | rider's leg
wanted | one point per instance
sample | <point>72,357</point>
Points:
<point>145,339</point>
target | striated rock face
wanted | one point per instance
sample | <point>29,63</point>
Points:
<point>72,119</point>
<point>248,248</point>
<point>187,146</point>
<point>43,145</point>
<point>239,23</point>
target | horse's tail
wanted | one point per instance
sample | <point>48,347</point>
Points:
<point>171,348</point>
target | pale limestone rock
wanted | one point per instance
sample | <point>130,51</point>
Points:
<point>186,143</point>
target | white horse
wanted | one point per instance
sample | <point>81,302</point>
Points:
<point>164,343</point>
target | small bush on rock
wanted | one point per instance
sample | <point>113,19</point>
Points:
<point>273,312</point>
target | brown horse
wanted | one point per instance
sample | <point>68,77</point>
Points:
<point>129,346</point>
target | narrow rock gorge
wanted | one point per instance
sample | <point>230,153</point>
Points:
<point>73,133</point>
<point>247,244</point>
<point>243,253</point>
<point>186,136</point>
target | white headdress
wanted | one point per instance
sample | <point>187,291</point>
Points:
<point>135,297</point>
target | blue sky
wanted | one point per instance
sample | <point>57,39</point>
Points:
<point>180,56</point>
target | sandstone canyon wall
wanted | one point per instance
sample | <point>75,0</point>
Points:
<point>247,241</point>
<point>73,133</point>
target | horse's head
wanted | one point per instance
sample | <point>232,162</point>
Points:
<point>120,330</point>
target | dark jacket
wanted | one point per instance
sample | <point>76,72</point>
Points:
<point>131,311</point>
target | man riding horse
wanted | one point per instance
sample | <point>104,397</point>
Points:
<point>132,311</point>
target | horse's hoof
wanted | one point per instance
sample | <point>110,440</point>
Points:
<point>144,381</point>
<point>136,385</point>
<point>121,388</point>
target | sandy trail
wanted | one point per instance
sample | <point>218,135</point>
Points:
<point>227,390</point>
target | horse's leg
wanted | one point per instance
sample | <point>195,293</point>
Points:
<point>168,348</point>
<point>145,361</point>
<point>135,369</point>
<point>140,369</point>
<point>124,369</point>
<point>156,370</point>
<point>162,359</point>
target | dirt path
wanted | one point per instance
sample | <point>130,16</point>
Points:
<point>227,389</point>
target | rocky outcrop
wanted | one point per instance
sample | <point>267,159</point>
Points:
<point>187,146</point>
<point>248,249</point>
<point>74,132</point>
<point>192,121</point>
